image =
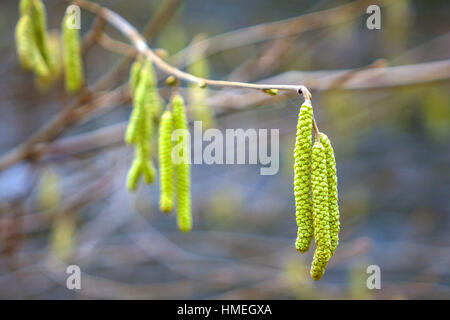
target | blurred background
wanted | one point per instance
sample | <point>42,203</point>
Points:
<point>67,204</point>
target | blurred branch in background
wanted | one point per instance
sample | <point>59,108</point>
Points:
<point>384,118</point>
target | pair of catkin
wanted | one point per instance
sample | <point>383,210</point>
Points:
<point>175,176</point>
<point>39,50</point>
<point>32,39</point>
<point>141,124</point>
<point>316,195</point>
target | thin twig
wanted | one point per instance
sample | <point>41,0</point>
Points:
<point>139,42</point>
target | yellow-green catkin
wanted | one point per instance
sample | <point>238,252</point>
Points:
<point>319,186</point>
<point>27,49</point>
<point>166,169</point>
<point>135,73</point>
<point>302,184</point>
<point>35,9</point>
<point>49,191</point>
<point>33,44</point>
<point>140,126</point>
<point>55,62</point>
<point>333,205</point>
<point>182,169</point>
<point>153,98</point>
<point>199,108</point>
<point>73,61</point>
<point>62,236</point>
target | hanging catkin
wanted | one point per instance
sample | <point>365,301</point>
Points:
<point>302,184</point>
<point>199,108</point>
<point>140,126</point>
<point>153,98</point>
<point>333,206</point>
<point>73,62</point>
<point>27,49</point>
<point>319,186</point>
<point>182,170</point>
<point>39,19</point>
<point>165,162</point>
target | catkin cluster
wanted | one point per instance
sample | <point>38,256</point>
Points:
<point>175,171</point>
<point>140,126</point>
<point>316,194</point>
<point>37,50</point>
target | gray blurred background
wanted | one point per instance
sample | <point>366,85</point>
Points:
<point>392,152</point>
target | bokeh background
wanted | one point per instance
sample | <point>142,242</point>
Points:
<point>392,151</point>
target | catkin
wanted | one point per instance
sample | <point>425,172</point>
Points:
<point>135,73</point>
<point>27,50</point>
<point>140,126</point>
<point>25,6</point>
<point>302,184</point>
<point>153,98</point>
<point>319,186</point>
<point>199,109</point>
<point>138,114</point>
<point>182,170</point>
<point>39,20</point>
<point>134,174</point>
<point>165,162</point>
<point>73,61</point>
<point>333,206</point>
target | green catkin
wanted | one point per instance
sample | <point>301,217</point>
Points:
<point>182,170</point>
<point>332,192</point>
<point>27,50</point>
<point>302,184</point>
<point>153,98</point>
<point>39,20</point>
<point>319,186</point>
<point>35,9</point>
<point>73,62</point>
<point>139,105</point>
<point>25,6</point>
<point>135,72</point>
<point>165,162</point>
<point>140,127</point>
<point>199,109</point>
<point>134,174</point>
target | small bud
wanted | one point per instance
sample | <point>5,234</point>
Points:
<point>272,92</point>
<point>171,81</point>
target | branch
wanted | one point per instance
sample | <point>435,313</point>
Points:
<point>367,78</point>
<point>139,42</point>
